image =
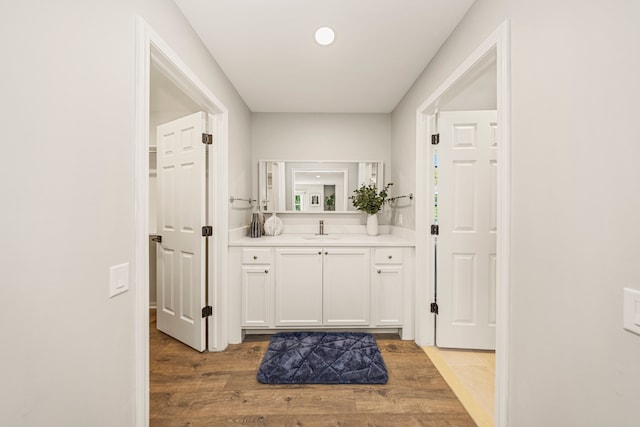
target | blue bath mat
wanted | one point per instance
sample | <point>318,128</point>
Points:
<point>322,358</point>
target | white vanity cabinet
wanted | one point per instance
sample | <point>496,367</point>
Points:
<point>257,288</point>
<point>322,286</point>
<point>388,287</point>
<point>286,283</point>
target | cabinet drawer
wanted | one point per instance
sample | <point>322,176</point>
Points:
<point>256,256</point>
<point>388,256</point>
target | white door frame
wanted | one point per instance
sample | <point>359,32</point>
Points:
<point>500,42</point>
<point>150,48</point>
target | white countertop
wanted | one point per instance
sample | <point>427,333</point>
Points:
<point>326,240</point>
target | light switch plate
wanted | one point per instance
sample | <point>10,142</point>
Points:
<point>118,279</point>
<point>631,310</point>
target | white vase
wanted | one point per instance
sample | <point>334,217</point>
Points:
<point>273,226</point>
<point>372,224</point>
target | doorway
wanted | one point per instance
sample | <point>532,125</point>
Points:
<point>166,103</point>
<point>453,92</point>
<point>153,52</point>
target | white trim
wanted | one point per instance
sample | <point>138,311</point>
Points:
<point>218,245</point>
<point>141,224</point>
<point>503,291</point>
<point>150,48</point>
<point>424,323</point>
<point>500,42</point>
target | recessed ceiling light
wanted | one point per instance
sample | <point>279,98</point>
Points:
<point>325,36</point>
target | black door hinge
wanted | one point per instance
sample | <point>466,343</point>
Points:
<point>207,231</point>
<point>435,230</point>
<point>207,138</point>
<point>207,311</point>
<point>434,307</point>
<point>435,139</point>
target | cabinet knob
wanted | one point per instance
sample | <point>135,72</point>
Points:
<point>255,257</point>
<point>326,253</point>
<point>266,272</point>
<point>379,271</point>
<point>319,253</point>
<point>390,256</point>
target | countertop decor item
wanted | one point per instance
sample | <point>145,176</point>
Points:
<point>323,358</point>
<point>255,228</point>
<point>372,224</point>
<point>367,198</point>
<point>261,218</point>
<point>273,226</point>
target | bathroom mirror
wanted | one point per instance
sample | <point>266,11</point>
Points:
<point>313,186</point>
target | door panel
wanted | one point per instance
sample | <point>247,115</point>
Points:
<point>346,286</point>
<point>181,214</point>
<point>257,297</point>
<point>388,283</point>
<point>466,243</point>
<point>298,286</point>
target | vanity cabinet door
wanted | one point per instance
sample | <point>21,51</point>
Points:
<point>346,286</point>
<point>388,283</point>
<point>257,296</point>
<point>388,297</point>
<point>298,287</point>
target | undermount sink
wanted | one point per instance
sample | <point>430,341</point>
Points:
<point>320,237</point>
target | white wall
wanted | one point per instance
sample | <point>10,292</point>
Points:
<point>321,136</point>
<point>66,187</point>
<point>575,234</point>
<point>283,136</point>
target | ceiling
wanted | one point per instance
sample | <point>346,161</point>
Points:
<point>267,49</point>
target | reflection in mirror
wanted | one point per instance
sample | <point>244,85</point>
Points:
<point>319,190</point>
<point>312,187</point>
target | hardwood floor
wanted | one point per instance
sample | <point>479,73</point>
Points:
<point>471,376</point>
<point>220,389</point>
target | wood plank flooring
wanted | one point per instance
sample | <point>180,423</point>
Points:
<point>220,389</point>
<point>471,376</point>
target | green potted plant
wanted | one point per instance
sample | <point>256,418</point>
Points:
<point>368,199</point>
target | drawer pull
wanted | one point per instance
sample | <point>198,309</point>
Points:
<point>326,253</point>
<point>390,256</point>
<point>266,272</point>
<point>379,271</point>
<point>319,253</point>
<point>255,257</point>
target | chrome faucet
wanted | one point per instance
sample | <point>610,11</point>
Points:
<point>321,227</point>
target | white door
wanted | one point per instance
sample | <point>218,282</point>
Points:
<point>181,214</point>
<point>466,244</point>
